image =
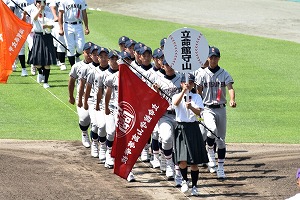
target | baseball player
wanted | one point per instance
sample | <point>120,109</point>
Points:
<point>75,75</point>
<point>129,48</point>
<point>162,43</point>
<point>99,56</point>
<point>100,113</point>
<point>122,41</point>
<point>88,102</point>
<point>212,85</point>
<point>170,85</point>
<point>111,110</point>
<point>60,50</point>
<point>18,8</point>
<point>70,17</point>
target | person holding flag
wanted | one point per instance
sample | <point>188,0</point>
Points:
<point>43,51</point>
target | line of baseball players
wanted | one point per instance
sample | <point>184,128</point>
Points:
<point>66,19</point>
<point>97,77</point>
<point>96,81</point>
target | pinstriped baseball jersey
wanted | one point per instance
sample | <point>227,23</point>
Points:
<point>72,9</point>
<point>91,79</point>
<point>170,86</point>
<point>76,71</point>
<point>100,83</point>
<point>211,83</point>
<point>112,81</point>
<point>22,4</point>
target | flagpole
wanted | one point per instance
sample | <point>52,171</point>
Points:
<point>115,52</point>
<point>50,34</point>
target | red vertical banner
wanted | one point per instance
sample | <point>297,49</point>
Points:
<point>139,110</point>
<point>13,34</point>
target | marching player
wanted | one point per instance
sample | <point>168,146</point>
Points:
<point>212,87</point>
<point>111,109</point>
<point>100,112</point>
<point>122,41</point>
<point>60,50</point>
<point>70,17</point>
<point>75,75</point>
<point>170,85</point>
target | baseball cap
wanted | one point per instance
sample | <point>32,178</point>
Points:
<point>123,39</point>
<point>129,42</point>
<point>138,45</point>
<point>156,52</point>
<point>124,55</point>
<point>144,49</point>
<point>298,173</point>
<point>163,41</point>
<point>191,77</point>
<point>113,53</point>
<point>87,45</point>
<point>95,47</point>
<point>103,49</point>
<point>214,51</point>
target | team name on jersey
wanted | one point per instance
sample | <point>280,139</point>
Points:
<point>22,5</point>
<point>214,84</point>
<point>68,7</point>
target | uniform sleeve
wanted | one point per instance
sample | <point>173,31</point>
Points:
<point>61,6</point>
<point>84,5</point>
<point>228,78</point>
<point>73,73</point>
<point>108,82</point>
<point>91,78</point>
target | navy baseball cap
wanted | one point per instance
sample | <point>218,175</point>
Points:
<point>138,45</point>
<point>191,77</point>
<point>95,47</point>
<point>123,39</point>
<point>163,41</point>
<point>124,55</point>
<point>143,49</point>
<point>158,53</point>
<point>103,49</point>
<point>113,53</point>
<point>129,42</point>
<point>87,45</point>
<point>214,51</point>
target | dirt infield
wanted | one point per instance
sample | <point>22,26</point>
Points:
<point>65,170</point>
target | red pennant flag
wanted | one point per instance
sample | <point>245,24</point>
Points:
<point>139,110</point>
<point>13,34</point>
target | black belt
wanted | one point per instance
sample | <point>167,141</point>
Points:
<point>171,112</point>
<point>74,23</point>
<point>215,106</point>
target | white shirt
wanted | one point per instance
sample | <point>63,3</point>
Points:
<point>182,113</point>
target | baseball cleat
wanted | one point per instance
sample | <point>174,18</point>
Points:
<point>63,67</point>
<point>85,141</point>
<point>184,186</point>
<point>94,149</point>
<point>46,85</point>
<point>130,177</point>
<point>102,153</point>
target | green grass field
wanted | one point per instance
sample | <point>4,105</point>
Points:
<point>265,72</point>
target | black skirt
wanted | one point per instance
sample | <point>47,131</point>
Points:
<point>189,145</point>
<point>43,51</point>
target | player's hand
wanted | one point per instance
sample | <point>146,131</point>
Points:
<point>79,104</point>
<point>107,111</point>
<point>72,100</point>
<point>97,107</point>
<point>87,31</point>
<point>188,105</point>
<point>55,19</point>
<point>86,106</point>
<point>155,87</point>
<point>61,32</point>
<point>232,104</point>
